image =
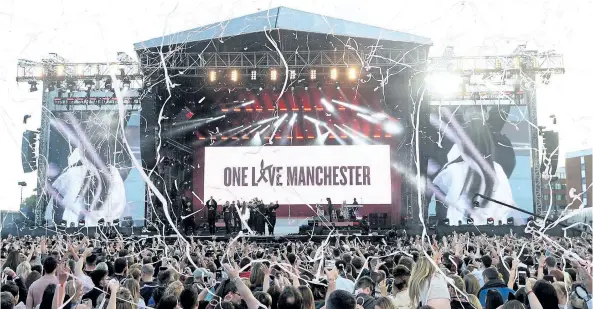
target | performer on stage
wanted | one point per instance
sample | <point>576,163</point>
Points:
<point>188,221</point>
<point>227,216</point>
<point>236,216</point>
<point>244,216</point>
<point>272,217</point>
<point>260,219</point>
<point>352,211</point>
<point>212,206</point>
<point>251,221</point>
<point>330,209</point>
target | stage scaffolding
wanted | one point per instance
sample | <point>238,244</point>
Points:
<point>523,67</point>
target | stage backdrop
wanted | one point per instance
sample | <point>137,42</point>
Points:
<point>299,174</point>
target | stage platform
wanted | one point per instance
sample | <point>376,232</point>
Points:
<point>288,229</point>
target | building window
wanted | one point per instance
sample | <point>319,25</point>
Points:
<point>582,173</point>
<point>582,161</point>
<point>584,187</point>
<point>583,181</point>
<point>559,197</point>
<point>546,197</point>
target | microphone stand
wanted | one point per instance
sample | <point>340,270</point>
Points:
<point>519,210</point>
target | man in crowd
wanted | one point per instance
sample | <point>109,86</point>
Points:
<point>120,267</point>
<point>493,282</point>
<point>365,289</point>
<point>50,264</point>
<point>147,285</point>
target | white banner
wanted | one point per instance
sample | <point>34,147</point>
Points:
<point>299,174</point>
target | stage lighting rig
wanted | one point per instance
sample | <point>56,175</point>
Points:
<point>234,76</point>
<point>292,74</point>
<point>212,76</point>
<point>352,74</point>
<point>253,75</point>
<point>333,74</point>
<point>273,75</point>
<point>313,74</point>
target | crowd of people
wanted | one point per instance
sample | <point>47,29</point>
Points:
<point>341,272</point>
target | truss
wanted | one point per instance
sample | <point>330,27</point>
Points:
<point>52,71</point>
<point>294,59</point>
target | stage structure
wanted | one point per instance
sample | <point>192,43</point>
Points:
<point>285,78</point>
<point>84,90</point>
<point>223,84</point>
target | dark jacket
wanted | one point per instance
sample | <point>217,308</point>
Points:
<point>495,284</point>
<point>368,302</point>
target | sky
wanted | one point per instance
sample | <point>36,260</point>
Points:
<point>91,31</point>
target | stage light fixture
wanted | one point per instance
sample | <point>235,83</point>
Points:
<point>63,223</point>
<point>60,70</point>
<point>32,86</point>
<point>352,74</point>
<point>499,222</point>
<point>101,222</point>
<point>313,74</point>
<point>38,71</point>
<point>81,222</point>
<point>330,108</point>
<point>446,221</point>
<point>490,221</point>
<point>212,76</point>
<point>292,119</point>
<point>292,74</point>
<point>459,223</point>
<point>510,221</point>
<point>333,74</point>
<point>253,75</point>
<point>273,75</point>
<point>470,220</point>
<point>234,76</point>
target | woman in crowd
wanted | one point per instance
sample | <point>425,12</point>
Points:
<point>427,286</point>
<point>308,301</point>
<point>401,276</point>
<point>134,287</point>
<point>493,299</point>
<point>472,284</point>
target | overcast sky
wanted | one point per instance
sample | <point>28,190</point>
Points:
<point>93,31</point>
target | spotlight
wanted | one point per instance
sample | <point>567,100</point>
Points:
<point>273,75</point>
<point>446,222</point>
<point>499,222</point>
<point>253,75</point>
<point>470,220</point>
<point>116,221</point>
<point>352,74</point>
<point>292,74</point>
<point>212,76</point>
<point>510,221</point>
<point>313,74</point>
<point>63,223</point>
<point>79,69</point>
<point>490,221</point>
<point>333,74</point>
<point>459,223</point>
<point>234,75</point>
<point>126,83</point>
<point>60,70</point>
<point>101,222</point>
<point>108,84</point>
<point>81,222</point>
<point>33,86</point>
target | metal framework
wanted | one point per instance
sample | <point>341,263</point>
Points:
<point>193,64</point>
<point>521,67</point>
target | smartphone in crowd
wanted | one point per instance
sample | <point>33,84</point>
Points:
<point>522,278</point>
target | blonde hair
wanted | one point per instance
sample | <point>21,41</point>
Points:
<point>423,270</point>
<point>472,284</point>
<point>134,287</point>
<point>23,269</point>
<point>257,275</point>
<point>561,289</point>
<point>175,288</point>
<point>72,287</point>
<point>474,300</point>
<point>124,299</point>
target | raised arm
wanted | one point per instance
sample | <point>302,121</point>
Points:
<point>242,289</point>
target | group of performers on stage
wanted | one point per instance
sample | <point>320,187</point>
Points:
<point>241,216</point>
<point>237,217</point>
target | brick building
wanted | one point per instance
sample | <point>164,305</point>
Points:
<point>579,165</point>
<point>554,193</point>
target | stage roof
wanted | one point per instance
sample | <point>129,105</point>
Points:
<point>284,19</point>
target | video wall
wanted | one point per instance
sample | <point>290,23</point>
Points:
<point>90,173</point>
<point>478,150</point>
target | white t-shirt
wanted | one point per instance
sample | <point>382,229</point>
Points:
<point>434,288</point>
